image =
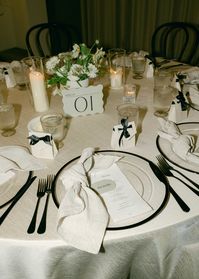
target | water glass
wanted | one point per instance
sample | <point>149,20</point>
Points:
<point>138,66</point>
<point>7,120</point>
<point>19,74</point>
<point>163,93</point>
<point>54,124</point>
<point>3,90</point>
<point>128,111</point>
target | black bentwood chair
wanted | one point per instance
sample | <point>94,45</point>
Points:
<point>48,39</point>
<point>176,40</point>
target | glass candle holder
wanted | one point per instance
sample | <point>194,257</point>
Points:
<point>116,60</point>
<point>129,93</point>
<point>34,70</point>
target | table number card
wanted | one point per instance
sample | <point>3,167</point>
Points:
<point>83,101</point>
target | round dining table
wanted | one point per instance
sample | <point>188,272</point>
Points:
<point>166,246</point>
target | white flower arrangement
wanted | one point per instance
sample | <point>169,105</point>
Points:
<point>77,65</point>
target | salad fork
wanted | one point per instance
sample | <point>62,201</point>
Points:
<point>167,172</point>
<point>48,190</point>
<point>163,162</point>
<point>40,194</point>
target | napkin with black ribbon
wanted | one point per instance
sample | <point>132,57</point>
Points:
<point>182,145</point>
<point>123,135</point>
<point>82,216</point>
<point>179,108</point>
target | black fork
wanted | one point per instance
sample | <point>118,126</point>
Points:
<point>167,172</point>
<point>42,225</point>
<point>162,161</point>
<point>40,194</point>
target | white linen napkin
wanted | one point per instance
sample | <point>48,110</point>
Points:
<point>182,145</point>
<point>18,158</point>
<point>82,216</point>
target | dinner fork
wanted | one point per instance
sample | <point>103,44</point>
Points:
<point>162,161</point>
<point>167,172</point>
<point>42,226</point>
<point>40,194</point>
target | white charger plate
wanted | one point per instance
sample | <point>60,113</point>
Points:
<point>165,147</point>
<point>141,177</point>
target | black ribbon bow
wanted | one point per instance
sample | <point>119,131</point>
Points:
<point>34,139</point>
<point>124,129</point>
<point>181,99</point>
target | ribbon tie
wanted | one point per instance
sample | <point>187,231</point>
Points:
<point>124,129</point>
<point>181,99</point>
<point>34,139</point>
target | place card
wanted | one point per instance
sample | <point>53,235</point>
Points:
<point>42,145</point>
<point>121,199</point>
<point>123,138</point>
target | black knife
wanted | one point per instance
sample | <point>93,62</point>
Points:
<point>164,179</point>
<point>16,199</point>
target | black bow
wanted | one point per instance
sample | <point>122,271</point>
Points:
<point>124,128</point>
<point>181,99</point>
<point>34,139</point>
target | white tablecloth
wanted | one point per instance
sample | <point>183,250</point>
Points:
<point>165,247</point>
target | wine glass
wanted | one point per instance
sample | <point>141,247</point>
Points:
<point>138,66</point>
<point>7,120</point>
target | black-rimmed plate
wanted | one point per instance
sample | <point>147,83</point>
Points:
<point>165,147</point>
<point>141,177</point>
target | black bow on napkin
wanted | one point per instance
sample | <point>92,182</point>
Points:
<point>124,129</point>
<point>34,139</point>
<point>181,99</point>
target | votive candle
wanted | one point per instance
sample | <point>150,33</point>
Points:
<point>116,78</point>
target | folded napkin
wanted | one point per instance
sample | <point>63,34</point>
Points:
<point>182,145</point>
<point>18,158</point>
<point>82,216</point>
<point>191,75</point>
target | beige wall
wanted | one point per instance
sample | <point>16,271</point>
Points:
<point>16,18</point>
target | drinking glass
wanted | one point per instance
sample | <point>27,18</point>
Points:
<point>3,89</point>
<point>163,93</point>
<point>7,120</point>
<point>138,66</point>
<point>54,124</point>
<point>128,111</point>
<point>19,74</point>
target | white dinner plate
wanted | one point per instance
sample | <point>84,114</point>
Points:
<point>165,147</point>
<point>141,177</point>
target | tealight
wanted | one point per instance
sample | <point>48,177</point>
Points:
<point>116,78</point>
<point>129,93</point>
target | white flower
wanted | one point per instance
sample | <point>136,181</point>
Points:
<point>79,64</point>
<point>98,55</point>
<point>51,64</point>
<point>92,71</point>
<point>75,51</point>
